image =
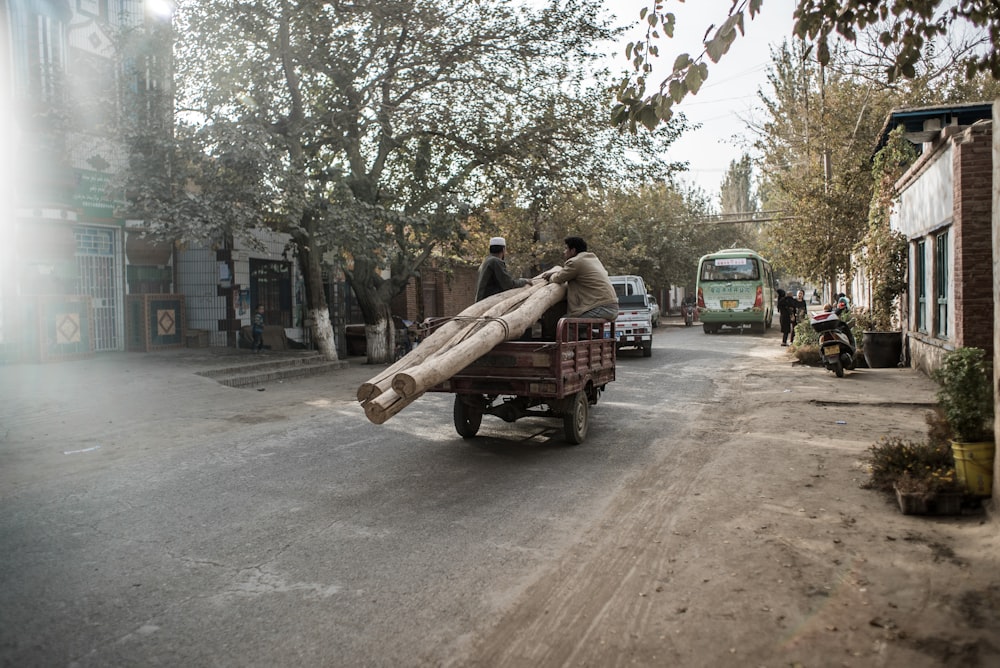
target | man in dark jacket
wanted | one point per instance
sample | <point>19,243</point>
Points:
<point>786,315</point>
<point>493,275</point>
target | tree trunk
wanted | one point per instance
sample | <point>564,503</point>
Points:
<point>380,335</point>
<point>380,339</point>
<point>322,332</point>
<point>317,310</point>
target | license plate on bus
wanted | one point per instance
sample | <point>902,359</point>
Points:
<point>730,303</point>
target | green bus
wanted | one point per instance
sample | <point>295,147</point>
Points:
<point>735,288</point>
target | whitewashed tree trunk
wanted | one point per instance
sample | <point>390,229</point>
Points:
<point>322,333</point>
<point>380,339</point>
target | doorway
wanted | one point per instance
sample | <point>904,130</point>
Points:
<point>271,286</point>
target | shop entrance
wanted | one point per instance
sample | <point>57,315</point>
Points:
<point>98,260</point>
<point>271,285</point>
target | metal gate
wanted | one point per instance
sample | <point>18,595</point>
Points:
<point>98,258</point>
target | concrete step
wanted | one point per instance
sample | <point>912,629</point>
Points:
<point>255,370</point>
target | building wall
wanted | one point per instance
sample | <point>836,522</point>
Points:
<point>995,218</point>
<point>65,61</point>
<point>438,293</point>
<point>215,284</point>
<point>957,170</point>
<point>973,242</point>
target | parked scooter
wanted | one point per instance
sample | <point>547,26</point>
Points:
<point>837,348</point>
<point>688,312</point>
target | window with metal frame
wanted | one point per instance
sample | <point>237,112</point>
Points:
<point>920,285</point>
<point>941,273</point>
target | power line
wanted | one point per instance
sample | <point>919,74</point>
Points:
<point>740,218</point>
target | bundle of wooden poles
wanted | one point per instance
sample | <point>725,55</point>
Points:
<point>454,345</point>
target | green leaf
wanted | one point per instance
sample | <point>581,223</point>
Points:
<point>677,90</point>
<point>823,52</point>
<point>693,80</point>
<point>668,25</point>
<point>619,114</point>
<point>681,62</point>
<point>649,118</point>
<point>664,107</point>
<point>715,48</point>
<point>734,22</point>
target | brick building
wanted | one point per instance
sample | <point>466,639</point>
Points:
<point>945,211</point>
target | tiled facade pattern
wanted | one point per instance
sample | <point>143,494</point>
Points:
<point>212,282</point>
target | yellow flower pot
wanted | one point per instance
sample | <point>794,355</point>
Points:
<point>974,466</point>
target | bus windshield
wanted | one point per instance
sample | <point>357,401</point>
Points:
<point>729,269</point>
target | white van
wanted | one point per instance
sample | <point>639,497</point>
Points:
<point>634,325</point>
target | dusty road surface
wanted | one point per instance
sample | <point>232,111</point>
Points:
<point>767,551</point>
<point>714,517</point>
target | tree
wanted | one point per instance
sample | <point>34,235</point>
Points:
<point>816,166</point>
<point>369,130</point>
<point>736,191</point>
<point>656,230</point>
<point>910,27</point>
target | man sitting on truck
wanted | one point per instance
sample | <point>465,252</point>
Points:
<point>589,293</point>
<point>493,275</point>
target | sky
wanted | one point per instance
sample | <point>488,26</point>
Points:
<point>730,92</point>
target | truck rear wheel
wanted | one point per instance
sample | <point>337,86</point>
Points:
<point>467,418</point>
<point>577,421</point>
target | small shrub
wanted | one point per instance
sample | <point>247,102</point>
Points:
<point>938,430</point>
<point>930,483</point>
<point>891,457</point>
<point>966,393</point>
<point>805,335</point>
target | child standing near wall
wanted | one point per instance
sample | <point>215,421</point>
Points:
<point>258,329</point>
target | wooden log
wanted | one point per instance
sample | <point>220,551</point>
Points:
<point>378,383</point>
<point>447,334</point>
<point>385,405</point>
<point>446,363</point>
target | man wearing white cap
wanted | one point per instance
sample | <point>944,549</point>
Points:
<point>493,275</point>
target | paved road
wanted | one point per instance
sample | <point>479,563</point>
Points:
<point>216,526</point>
<point>154,516</point>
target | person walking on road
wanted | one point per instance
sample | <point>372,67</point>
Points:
<point>786,313</point>
<point>493,275</point>
<point>800,314</point>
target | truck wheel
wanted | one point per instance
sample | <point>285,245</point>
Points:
<point>647,348</point>
<point>467,418</point>
<point>709,329</point>
<point>577,420</point>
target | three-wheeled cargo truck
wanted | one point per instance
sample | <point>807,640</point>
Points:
<point>561,378</point>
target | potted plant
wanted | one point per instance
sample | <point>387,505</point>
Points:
<point>919,474</point>
<point>936,492</point>
<point>883,253</point>
<point>965,396</point>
